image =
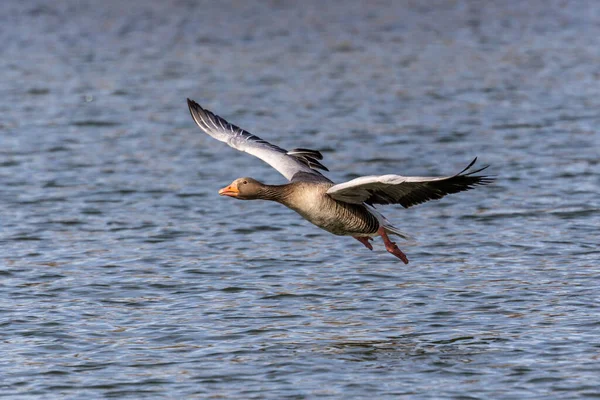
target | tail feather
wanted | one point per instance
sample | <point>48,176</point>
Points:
<point>387,224</point>
<point>396,231</point>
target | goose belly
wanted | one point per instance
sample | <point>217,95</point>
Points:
<point>341,218</point>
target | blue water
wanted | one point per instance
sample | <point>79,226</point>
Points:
<point>123,274</point>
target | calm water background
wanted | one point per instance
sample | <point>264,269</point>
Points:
<point>123,274</point>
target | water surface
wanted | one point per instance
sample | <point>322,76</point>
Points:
<point>123,274</point>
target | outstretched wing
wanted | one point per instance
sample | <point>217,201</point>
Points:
<point>288,163</point>
<point>406,190</point>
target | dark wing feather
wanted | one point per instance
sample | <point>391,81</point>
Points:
<point>309,157</point>
<point>405,190</point>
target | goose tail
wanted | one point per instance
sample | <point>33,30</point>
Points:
<point>387,225</point>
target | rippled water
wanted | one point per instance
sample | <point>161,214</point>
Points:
<point>124,274</point>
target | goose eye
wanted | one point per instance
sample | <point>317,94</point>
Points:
<point>245,182</point>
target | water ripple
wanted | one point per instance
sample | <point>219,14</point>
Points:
<point>125,275</point>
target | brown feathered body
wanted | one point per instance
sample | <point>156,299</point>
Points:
<point>310,200</point>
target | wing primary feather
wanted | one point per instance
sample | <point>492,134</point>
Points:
<point>468,166</point>
<point>289,164</point>
<point>308,157</point>
<point>307,152</point>
<point>462,173</point>
<point>408,191</point>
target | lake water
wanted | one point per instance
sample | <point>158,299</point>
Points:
<point>123,274</point>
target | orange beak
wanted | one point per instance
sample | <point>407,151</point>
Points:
<point>229,191</point>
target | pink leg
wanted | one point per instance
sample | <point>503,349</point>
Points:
<point>391,246</point>
<point>364,240</point>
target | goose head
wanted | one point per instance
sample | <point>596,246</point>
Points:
<point>244,189</point>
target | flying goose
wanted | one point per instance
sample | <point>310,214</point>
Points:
<point>343,209</point>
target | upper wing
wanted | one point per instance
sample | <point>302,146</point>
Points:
<point>288,163</point>
<point>406,190</point>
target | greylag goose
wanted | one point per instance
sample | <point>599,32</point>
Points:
<point>343,209</point>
